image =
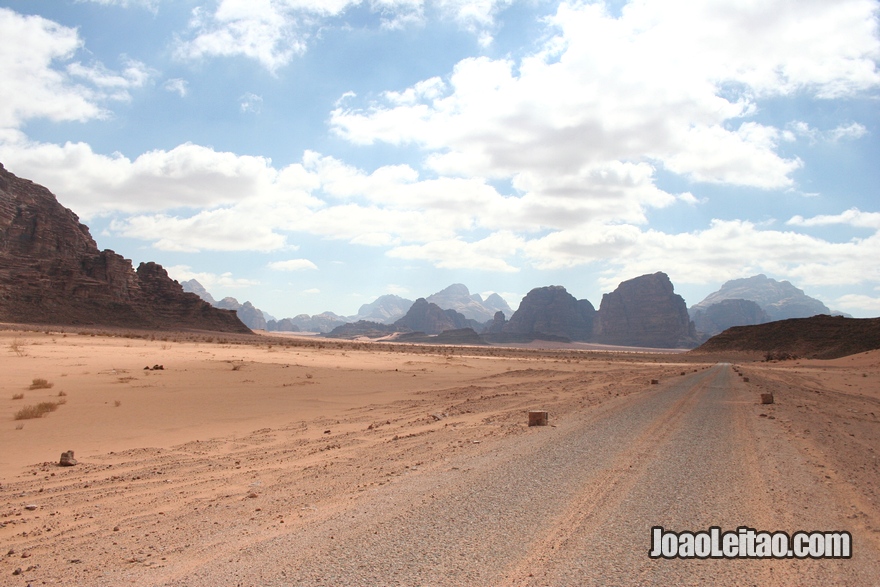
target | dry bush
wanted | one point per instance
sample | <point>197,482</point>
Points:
<point>17,347</point>
<point>62,393</point>
<point>18,396</point>
<point>40,383</point>
<point>117,403</point>
<point>37,411</point>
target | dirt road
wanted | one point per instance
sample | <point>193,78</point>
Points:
<point>440,482</point>
<point>574,505</point>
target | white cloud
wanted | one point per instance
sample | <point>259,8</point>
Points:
<point>858,302</point>
<point>41,80</point>
<point>273,32</point>
<point>188,176</point>
<point>152,5</point>
<point>292,265</point>
<point>209,280</point>
<point>251,103</point>
<point>178,86</point>
<point>32,87</point>
<point>313,290</point>
<point>852,217</point>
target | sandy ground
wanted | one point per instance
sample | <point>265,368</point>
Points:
<point>247,464</point>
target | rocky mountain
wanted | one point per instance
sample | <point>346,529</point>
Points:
<point>779,299</point>
<point>429,318</point>
<point>323,323</point>
<point>283,325</point>
<point>247,313</point>
<point>552,311</point>
<point>193,286</point>
<point>644,311</point>
<point>718,317</point>
<point>457,297</point>
<point>385,309</point>
<point>51,272</point>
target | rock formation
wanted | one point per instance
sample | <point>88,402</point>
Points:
<point>283,325</point>
<point>385,309</point>
<point>193,286</point>
<point>780,299</point>
<point>817,337</point>
<point>645,312</point>
<point>252,317</point>
<point>429,318</point>
<point>551,311</point>
<point>497,324</point>
<point>457,297</point>
<point>51,272</point>
<point>710,320</point>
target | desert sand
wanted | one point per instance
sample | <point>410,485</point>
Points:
<point>239,456</point>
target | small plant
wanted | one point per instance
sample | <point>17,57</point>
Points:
<point>62,393</point>
<point>18,396</point>
<point>117,403</point>
<point>40,383</point>
<point>19,426</point>
<point>309,376</point>
<point>37,411</point>
<point>17,347</point>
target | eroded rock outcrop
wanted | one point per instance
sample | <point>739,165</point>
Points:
<point>552,311</point>
<point>644,311</point>
<point>51,272</point>
<point>429,318</point>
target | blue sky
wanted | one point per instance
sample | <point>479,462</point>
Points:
<point>312,155</point>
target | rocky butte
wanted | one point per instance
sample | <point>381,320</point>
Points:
<point>51,272</point>
<point>646,312</point>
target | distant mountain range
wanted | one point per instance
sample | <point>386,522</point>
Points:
<point>644,311</point>
<point>386,309</point>
<point>753,300</point>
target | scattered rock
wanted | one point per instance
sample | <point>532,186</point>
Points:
<point>766,398</point>
<point>437,416</point>
<point>538,418</point>
<point>67,459</point>
<point>30,507</point>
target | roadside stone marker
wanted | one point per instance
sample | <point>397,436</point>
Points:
<point>538,418</point>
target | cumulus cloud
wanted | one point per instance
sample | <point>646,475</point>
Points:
<point>178,86</point>
<point>42,79</point>
<point>852,217</point>
<point>209,280</point>
<point>273,32</point>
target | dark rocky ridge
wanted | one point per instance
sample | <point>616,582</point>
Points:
<point>646,312</point>
<point>818,337</point>
<point>51,272</point>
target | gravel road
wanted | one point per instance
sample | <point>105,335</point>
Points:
<point>574,503</point>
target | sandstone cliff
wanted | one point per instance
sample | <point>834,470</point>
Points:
<point>551,311</point>
<point>51,272</point>
<point>645,312</point>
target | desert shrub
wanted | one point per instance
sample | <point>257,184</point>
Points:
<point>779,356</point>
<point>117,403</point>
<point>18,396</point>
<point>37,411</point>
<point>40,383</point>
<point>17,347</point>
<point>62,393</point>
